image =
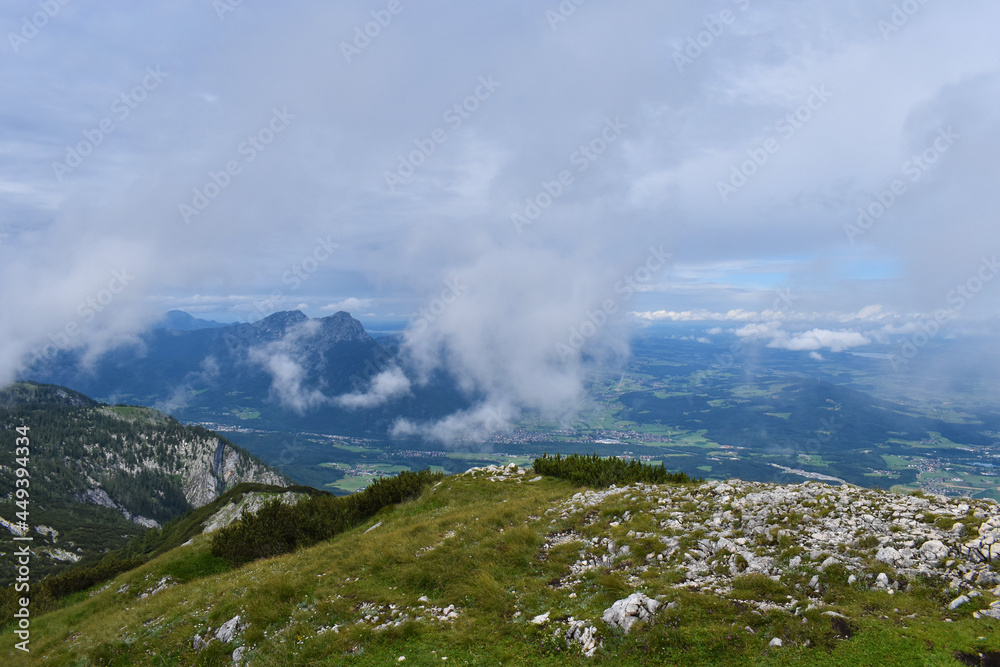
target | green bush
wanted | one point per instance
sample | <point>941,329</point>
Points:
<point>594,471</point>
<point>277,528</point>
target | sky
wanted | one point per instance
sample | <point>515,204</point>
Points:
<point>517,185</point>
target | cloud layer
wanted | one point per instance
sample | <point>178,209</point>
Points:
<point>234,163</point>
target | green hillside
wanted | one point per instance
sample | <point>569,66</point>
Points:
<point>101,475</point>
<point>503,566</point>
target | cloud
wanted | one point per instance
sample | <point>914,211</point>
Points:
<point>814,339</point>
<point>351,305</point>
<point>286,360</point>
<point>538,144</point>
<point>760,330</point>
<point>467,426</point>
<point>385,386</point>
<point>179,398</point>
<point>287,380</point>
<point>870,313</point>
<point>818,339</point>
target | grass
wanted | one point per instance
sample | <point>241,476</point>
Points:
<point>472,543</point>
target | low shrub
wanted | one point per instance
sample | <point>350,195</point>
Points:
<point>596,471</point>
<point>277,528</point>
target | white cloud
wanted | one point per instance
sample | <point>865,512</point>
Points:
<point>814,339</point>
<point>867,314</point>
<point>321,182</point>
<point>351,305</point>
<point>287,379</point>
<point>285,361</point>
<point>385,386</point>
<point>761,330</point>
<point>473,425</point>
<point>818,339</point>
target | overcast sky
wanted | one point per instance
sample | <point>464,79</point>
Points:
<point>497,175</point>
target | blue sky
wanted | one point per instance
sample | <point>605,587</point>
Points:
<point>238,158</point>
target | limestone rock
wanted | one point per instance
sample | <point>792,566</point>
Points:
<point>229,629</point>
<point>626,612</point>
<point>541,619</point>
<point>958,602</point>
<point>934,551</point>
<point>584,635</point>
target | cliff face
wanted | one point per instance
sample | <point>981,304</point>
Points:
<point>212,470</point>
<point>152,451</point>
<point>101,475</point>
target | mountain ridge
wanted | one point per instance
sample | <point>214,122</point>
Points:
<point>100,468</point>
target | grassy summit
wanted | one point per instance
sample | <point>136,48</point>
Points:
<point>464,571</point>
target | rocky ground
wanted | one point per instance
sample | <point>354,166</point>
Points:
<point>605,563</point>
<point>804,535</point>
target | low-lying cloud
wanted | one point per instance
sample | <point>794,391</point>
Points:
<point>806,341</point>
<point>385,386</point>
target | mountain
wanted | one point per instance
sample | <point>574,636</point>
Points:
<point>504,566</point>
<point>178,320</point>
<point>101,474</point>
<point>175,367</point>
<point>282,373</point>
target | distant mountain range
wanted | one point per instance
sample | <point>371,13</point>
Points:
<point>178,320</point>
<point>282,373</point>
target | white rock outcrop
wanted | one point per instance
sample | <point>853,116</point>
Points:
<point>627,612</point>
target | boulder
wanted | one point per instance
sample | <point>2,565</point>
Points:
<point>934,551</point>
<point>958,602</point>
<point>584,635</point>
<point>541,619</point>
<point>888,555</point>
<point>626,612</point>
<point>229,629</point>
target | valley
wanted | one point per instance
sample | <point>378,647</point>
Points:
<point>714,406</point>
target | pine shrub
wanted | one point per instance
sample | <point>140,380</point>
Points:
<point>277,528</point>
<point>596,471</point>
